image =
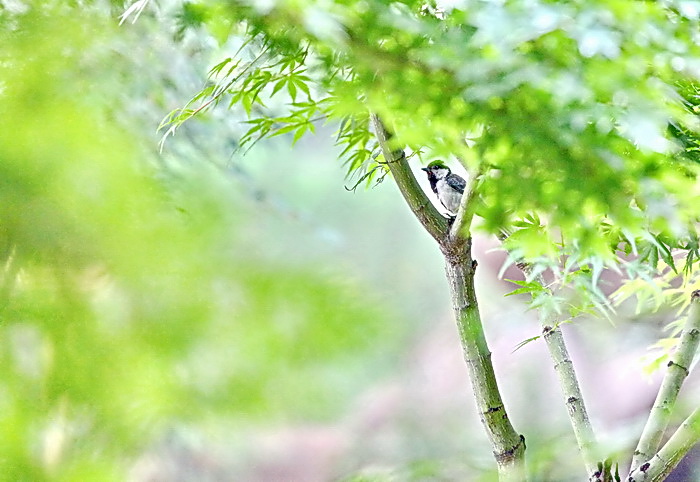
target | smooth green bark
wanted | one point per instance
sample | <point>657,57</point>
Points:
<point>677,447</point>
<point>570,388</point>
<point>573,398</point>
<point>678,370</point>
<point>508,446</point>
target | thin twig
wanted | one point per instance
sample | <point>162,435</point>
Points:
<point>221,91</point>
<point>215,97</point>
<point>135,8</point>
<point>368,174</point>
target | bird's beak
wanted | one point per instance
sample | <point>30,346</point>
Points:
<point>424,169</point>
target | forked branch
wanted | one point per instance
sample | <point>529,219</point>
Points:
<point>680,443</point>
<point>508,446</point>
<point>678,369</point>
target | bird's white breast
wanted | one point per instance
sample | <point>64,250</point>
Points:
<point>448,196</point>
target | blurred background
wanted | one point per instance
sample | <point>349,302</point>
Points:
<point>193,313</point>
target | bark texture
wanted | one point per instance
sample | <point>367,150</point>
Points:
<point>662,464</point>
<point>596,470</point>
<point>508,446</point>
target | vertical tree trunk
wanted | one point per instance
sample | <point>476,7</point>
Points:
<point>508,446</point>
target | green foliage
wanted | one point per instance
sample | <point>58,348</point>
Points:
<point>121,316</point>
<point>582,109</point>
<point>552,115</point>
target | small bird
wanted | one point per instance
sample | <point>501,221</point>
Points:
<point>449,187</point>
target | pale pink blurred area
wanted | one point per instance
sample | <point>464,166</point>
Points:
<point>424,410</point>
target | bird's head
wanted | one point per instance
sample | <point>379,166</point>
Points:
<point>437,169</point>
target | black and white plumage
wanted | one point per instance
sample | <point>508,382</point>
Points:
<point>449,187</point>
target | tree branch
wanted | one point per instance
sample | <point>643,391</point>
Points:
<point>680,443</point>
<point>422,208</point>
<point>570,388</point>
<point>670,386</point>
<point>461,226</point>
<point>508,446</point>
<point>573,398</point>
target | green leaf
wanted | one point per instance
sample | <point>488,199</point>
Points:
<point>525,342</point>
<point>292,89</point>
<point>219,67</point>
<point>530,287</point>
<point>279,85</point>
<point>300,132</point>
<point>284,130</point>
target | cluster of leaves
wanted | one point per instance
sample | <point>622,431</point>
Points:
<point>255,85</point>
<point>685,135</point>
<point>657,270</point>
<point>560,91</point>
<point>589,113</point>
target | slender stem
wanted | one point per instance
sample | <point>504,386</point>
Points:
<point>568,382</point>
<point>680,443</point>
<point>570,388</point>
<point>678,369</point>
<point>465,214</point>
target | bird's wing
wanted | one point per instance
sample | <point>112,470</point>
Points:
<point>456,182</point>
